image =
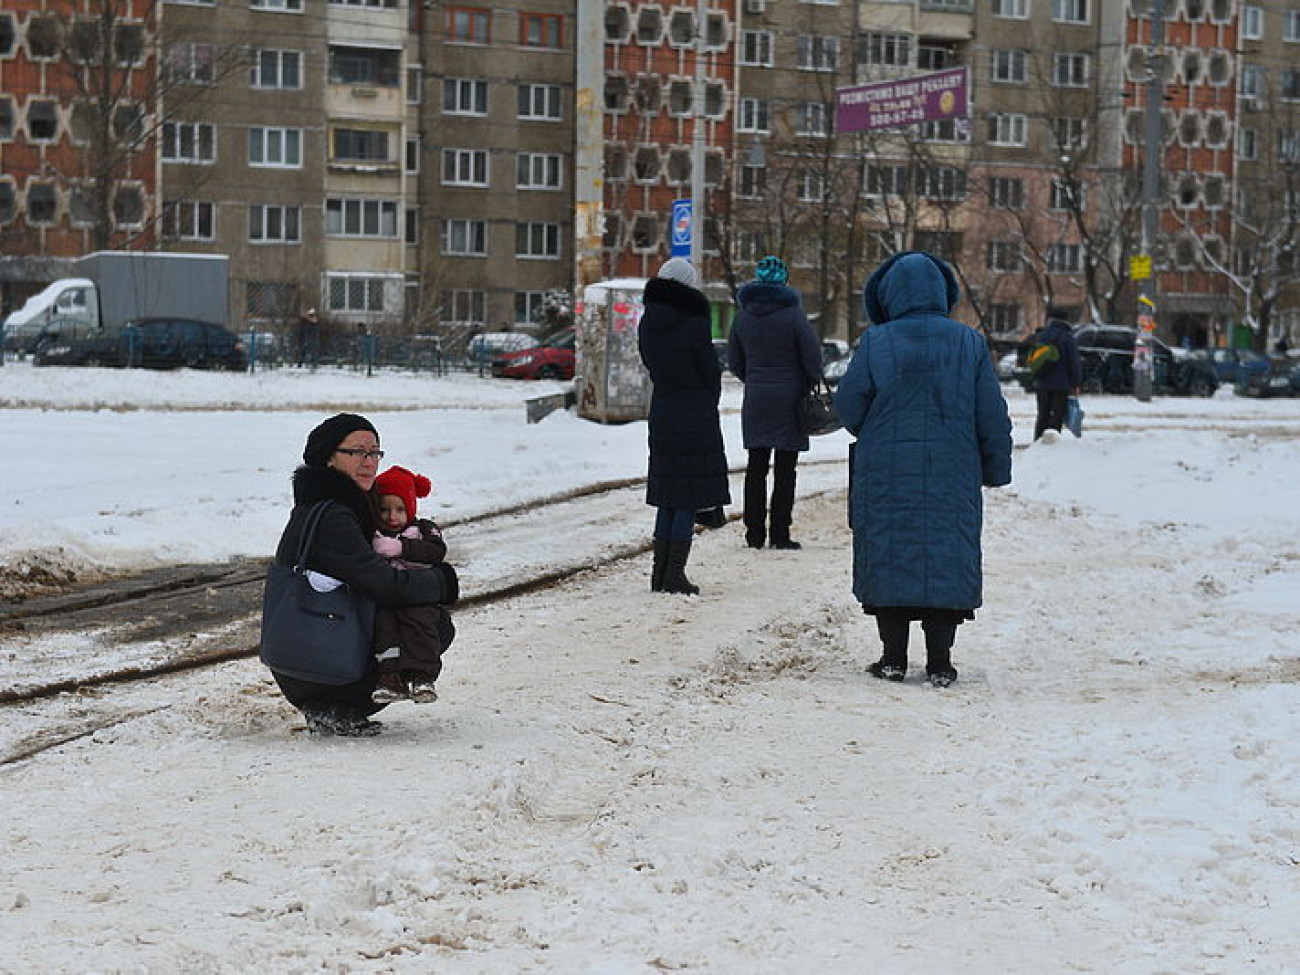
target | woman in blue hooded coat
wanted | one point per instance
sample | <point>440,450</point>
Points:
<point>772,350</point>
<point>932,428</point>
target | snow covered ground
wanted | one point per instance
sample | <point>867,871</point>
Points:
<point>621,782</point>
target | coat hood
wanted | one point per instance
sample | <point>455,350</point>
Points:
<point>913,282</point>
<point>759,296</point>
<point>684,299</point>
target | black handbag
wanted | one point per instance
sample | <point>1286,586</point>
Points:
<point>817,414</point>
<point>321,637</point>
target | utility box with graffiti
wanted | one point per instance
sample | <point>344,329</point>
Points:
<point>612,385</point>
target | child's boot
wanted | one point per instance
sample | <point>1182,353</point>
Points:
<point>390,686</point>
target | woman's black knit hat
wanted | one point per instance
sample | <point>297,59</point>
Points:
<point>325,439</point>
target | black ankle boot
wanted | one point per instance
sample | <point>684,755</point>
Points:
<point>660,565</point>
<point>675,580</point>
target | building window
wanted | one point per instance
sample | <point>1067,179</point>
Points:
<point>540,102</point>
<point>8,117</point>
<point>540,171</point>
<point>42,203</point>
<point>1070,11</point>
<point>817,53</point>
<point>464,238</point>
<point>1004,319</point>
<point>464,305</point>
<point>188,220</point>
<point>756,48</point>
<point>541,30</point>
<point>1252,23</point>
<point>347,217</point>
<point>646,233</point>
<point>537,240</point>
<point>42,120</point>
<point>884,180</point>
<point>366,66</point>
<point>751,181</point>
<point>941,243</point>
<point>752,116</point>
<point>649,26</point>
<point>1008,130</point>
<point>1010,66</point>
<point>8,201</point>
<point>942,183</point>
<point>411,216</point>
<point>1015,9</point>
<point>360,146</point>
<point>944,130</point>
<point>932,57</point>
<point>529,307</point>
<point>292,6</point>
<point>812,118</point>
<point>274,224</point>
<point>810,185</point>
<point>889,50</point>
<point>1070,70</point>
<point>412,163</point>
<point>1069,132</point>
<point>390,4</point>
<point>1066,195</point>
<point>280,148</point>
<point>1291,26</point>
<point>189,142</point>
<point>414,85</point>
<point>618,23</point>
<point>1064,258</point>
<point>468,25</point>
<point>276,69</point>
<point>1248,144</point>
<point>464,96</point>
<point>1004,255</point>
<point>189,63</point>
<point>128,206</point>
<point>465,167</point>
<point>355,292</point>
<point>1007,192</point>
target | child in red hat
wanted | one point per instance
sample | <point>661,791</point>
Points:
<point>409,641</point>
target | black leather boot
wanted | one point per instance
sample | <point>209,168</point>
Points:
<point>756,498</point>
<point>783,485</point>
<point>675,580</point>
<point>660,565</point>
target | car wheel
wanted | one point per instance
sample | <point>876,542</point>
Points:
<point>548,372</point>
<point>1201,386</point>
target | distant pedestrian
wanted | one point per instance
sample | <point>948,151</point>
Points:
<point>772,350</point>
<point>308,338</point>
<point>923,400</point>
<point>688,462</point>
<point>1057,378</point>
<point>1281,347</point>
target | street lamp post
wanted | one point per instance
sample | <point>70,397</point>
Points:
<point>1152,143</point>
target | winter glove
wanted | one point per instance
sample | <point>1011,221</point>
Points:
<point>450,584</point>
<point>389,548</point>
<point>411,531</point>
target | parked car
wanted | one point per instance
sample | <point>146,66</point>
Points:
<point>1281,379</point>
<point>1233,365</point>
<point>833,350</point>
<point>153,343</point>
<point>833,371</point>
<point>554,358</point>
<point>486,346</point>
<point>1106,353</point>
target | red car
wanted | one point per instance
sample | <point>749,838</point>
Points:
<point>552,359</point>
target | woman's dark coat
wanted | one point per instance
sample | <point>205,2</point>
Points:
<point>774,352</point>
<point>342,549</point>
<point>688,463</point>
<point>1067,371</point>
<point>924,402</point>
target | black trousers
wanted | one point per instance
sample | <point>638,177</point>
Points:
<point>1051,410</point>
<point>940,628</point>
<point>756,501</point>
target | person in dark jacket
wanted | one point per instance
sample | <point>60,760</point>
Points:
<point>1059,378</point>
<point>923,400</point>
<point>340,462</point>
<point>772,350</point>
<point>688,463</point>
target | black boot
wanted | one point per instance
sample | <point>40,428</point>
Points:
<point>893,629</point>
<point>675,580</point>
<point>939,638</point>
<point>783,482</point>
<point>660,565</point>
<point>756,498</point>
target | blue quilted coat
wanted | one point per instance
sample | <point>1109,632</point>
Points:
<point>922,398</point>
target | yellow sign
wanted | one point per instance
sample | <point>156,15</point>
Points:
<point>1139,267</point>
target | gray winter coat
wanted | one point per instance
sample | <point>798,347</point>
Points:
<point>774,352</point>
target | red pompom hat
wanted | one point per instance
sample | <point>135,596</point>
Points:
<point>408,486</point>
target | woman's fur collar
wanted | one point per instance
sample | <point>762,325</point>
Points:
<point>312,484</point>
<point>678,295</point>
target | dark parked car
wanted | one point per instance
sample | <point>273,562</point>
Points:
<point>1233,365</point>
<point>554,358</point>
<point>1281,379</point>
<point>154,343</point>
<point>1106,352</point>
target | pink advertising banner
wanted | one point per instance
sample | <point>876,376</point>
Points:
<point>904,101</point>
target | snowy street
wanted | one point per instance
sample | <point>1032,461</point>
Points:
<point>617,781</point>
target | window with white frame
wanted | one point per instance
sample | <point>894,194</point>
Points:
<point>812,118</point>
<point>411,217</point>
<point>535,239</point>
<point>540,171</point>
<point>810,185</point>
<point>1008,129</point>
<point>1007,192</point>
<point>1013,9</point>
<point>189,142</point>
<point>274,224</point>
<point>1010,65</point>
<point>1004,255</point>
<point>530,307</point>
<point>464,96</point>
<point>1289,85</point>
<point>1252,23</point>
<point>817,52</point>
<point>944,130</point>
<point>1288,146</point>
<point>883,179</point>
<point>290,6</point>
<point>1070,69</point>
<point>348,145</point>
<point>465,305</point>
<point>353,217</point>
<point>465,167</point>
<point>886,49</point>
<point>276,69</point>
<point>942,183</point>
<point>189,220</point>
<point>1291,25</point>
<point>414,84</point>
<point>753,116</point>
<point>275,148</point>
<point>191,63</point>
<point>539,102</point>
<point>464,238</point>
<point>756,48</point>
<point>751,181</point>
<point>412,160</point>
<point>1069,132</point>
<point>354,292</point>
<point>1066,194</point>
<point>1065,258</point>
<point>1248,144</point>
<point>1070,11</point>
<point>1003,319</point>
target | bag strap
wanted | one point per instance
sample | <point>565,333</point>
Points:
<point>309,533</point>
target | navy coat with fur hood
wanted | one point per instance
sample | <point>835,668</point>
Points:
<point>774,352</point>
<point>688,463</point>
<point>924,402</point>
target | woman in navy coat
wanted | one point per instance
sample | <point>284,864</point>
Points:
<point>774,352</point>
<point>932,427</point>
<point>688,464</point>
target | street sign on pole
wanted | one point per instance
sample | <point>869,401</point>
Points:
<point>681,228</point>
